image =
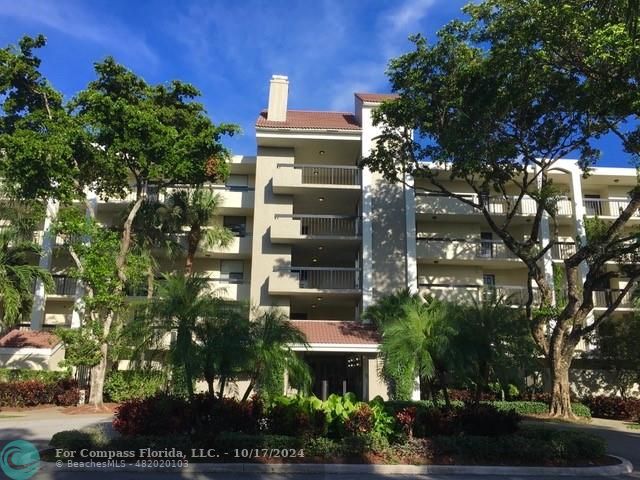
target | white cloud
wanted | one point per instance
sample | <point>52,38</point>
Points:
<point>76,21</point>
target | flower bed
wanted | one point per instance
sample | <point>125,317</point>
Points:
<point>339,429</point>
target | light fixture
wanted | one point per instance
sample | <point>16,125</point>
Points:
<point>321,199</point>
<point>313,305</point>
<point>315,260</point>
<point>433,217</point>
<point>436,261</point>
<point>319,299</point>
<point>616,180</point>
<point>321,247</point>
<point>321,152</point>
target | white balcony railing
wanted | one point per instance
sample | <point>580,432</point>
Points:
<point>509,294</point>
<point>443,204</point>
<point>325,175</point>
<point>325,225</point>
<point>463,249</point>
<point>563,250</point>
<point>606,207</point>
<point>324,278</point>
<point>604,298</point>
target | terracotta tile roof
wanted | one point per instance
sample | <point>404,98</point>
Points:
<point>376,97</point>
<point>28,338</point>
<point>323,331</point>
<point>308,120</point>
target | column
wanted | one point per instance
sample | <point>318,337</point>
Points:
<point>367,240</point>
<point>78,305</point>
<point>411,263</point>
<point>48,242</point>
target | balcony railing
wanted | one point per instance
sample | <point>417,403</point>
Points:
<point>64,285</point>
<point>606,207</point>
<point>440,203</point>
<point>325,278</point>
<point>563,250</point>
<point>326,175</point>
<point>326,225</point>
<point>466,249</point>
<point>605,298</point>
<point>509,294</point>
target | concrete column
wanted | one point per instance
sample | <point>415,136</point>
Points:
<point>579,212</point>
<point>411,263</point>
<point>78,305</point>
<point>367,240</point>
<point>547,259</point>
<point>48,242</point>
<point>415,395</point>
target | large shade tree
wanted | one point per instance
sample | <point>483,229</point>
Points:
<point>494,103</point>
<point>118,135</point>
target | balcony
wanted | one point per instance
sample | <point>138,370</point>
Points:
<point>235,199</point>
<point>438,204</point>
<point>240,247</point>
<point>236,289</point>
<point>64,287</point>
<point>563,250</point>
<point>290,178</point>
<point>314,280</point>
<point>607,207</point>
<point>602,299</point>
<point>474,250</point>
<point>291,229</point>
<point>514,295</point>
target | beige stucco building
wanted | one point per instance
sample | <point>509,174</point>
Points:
<point>323,239</point>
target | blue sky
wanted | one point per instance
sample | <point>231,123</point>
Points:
<point>229,50</point>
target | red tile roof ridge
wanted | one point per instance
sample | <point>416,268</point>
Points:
<point>29,338</point>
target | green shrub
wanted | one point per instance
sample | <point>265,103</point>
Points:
<point>22,374</point>
<point>90,437</point>
<point>538,408</point>
<point>356,445</point>
<point>321,447</point>
<point>530,445</point>
<point>122,385</point>
<point>227,441</point>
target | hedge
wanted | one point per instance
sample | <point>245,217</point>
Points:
<point>30,393</point>
<point>539,408</point>
<point>615,408</point>
<point>529,446</point>
<point>45,376</point>
<point>122,385</point>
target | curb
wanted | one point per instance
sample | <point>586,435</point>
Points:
<point>623,467</point>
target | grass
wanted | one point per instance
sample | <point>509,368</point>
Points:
<point>4,415</point>
<point>632,425</point>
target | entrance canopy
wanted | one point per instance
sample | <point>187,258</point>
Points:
<point>337,336</point>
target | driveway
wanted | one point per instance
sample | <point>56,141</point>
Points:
<point>38,426</point>
<point>621,440</point>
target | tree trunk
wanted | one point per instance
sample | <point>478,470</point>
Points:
<point>248,391</point>
<point>98,373</point>
<point>193,240</point>
<point>223,383</point>
<point>210,385</point>
<point>561,392</point>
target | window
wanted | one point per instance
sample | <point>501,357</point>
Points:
<point>238,183</point>
<point>238,225</point>
<point>489,289</point>
<point>486,244</point>
<point>232,271</point>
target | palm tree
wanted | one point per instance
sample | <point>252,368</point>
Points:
<point>270,353</point>
<point>194,208</point>
<point>18,275</point>
<point>419,338</point>
<point>495,341</point>
<point>222,341</point>
<point>181,302</point>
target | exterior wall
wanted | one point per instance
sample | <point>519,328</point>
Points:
<point>389,237</point>
<point>268,205</point>
<point>32,358</point>
<point>376,385</point>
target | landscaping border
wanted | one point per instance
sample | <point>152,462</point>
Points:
<point>622,468</point>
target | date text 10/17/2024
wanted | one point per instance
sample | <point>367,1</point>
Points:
<point>173,453</point>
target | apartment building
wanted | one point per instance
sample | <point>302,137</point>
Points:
<point>322,239</point>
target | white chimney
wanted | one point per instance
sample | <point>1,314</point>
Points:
<point>278,98</point>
